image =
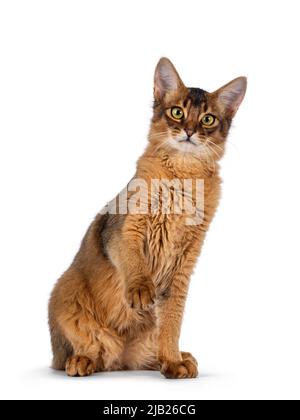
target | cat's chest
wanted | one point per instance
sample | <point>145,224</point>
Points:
<point>165,241</point>
<point>165,234</point>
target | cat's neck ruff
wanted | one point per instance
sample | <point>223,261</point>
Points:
<point>180,165</point>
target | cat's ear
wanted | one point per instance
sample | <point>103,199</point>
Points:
<point>166,78</point>
<point>231,96</point>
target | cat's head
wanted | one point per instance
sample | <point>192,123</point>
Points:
<point>192,121</point>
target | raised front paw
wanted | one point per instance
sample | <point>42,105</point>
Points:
<point>186,368</point>
<point>79,366</point>
<point>141,295</point>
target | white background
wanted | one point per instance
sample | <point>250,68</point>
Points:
<point>75,103</point>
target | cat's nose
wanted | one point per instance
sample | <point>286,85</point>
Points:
<point>189,132</point>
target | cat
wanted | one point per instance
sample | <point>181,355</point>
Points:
<point>120,304</point>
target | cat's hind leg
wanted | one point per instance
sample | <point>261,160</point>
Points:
<point>95,349</point>
<point>63,356</point>
<point>61,348</point>
<point>81,344</point>
<point>85,358</point>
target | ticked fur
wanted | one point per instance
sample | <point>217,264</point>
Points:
<point>120,304</point>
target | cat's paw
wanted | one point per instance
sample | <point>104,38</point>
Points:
<point>186,368</point>
<point>79,366</point>
<point>188,356</point>
<point>141,296</point>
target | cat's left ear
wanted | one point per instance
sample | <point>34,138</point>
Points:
<point>231,96</point>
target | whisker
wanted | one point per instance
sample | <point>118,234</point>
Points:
<point>210,140</point>
<point>213,151</point>
<point>212,145</point>
<point>208,150</point>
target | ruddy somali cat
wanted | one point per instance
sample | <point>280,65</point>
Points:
<point>120,304</point>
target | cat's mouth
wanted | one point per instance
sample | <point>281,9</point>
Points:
<point>188,140</point>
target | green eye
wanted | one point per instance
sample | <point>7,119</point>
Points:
<point>177,113</point>
<point>208,120</point>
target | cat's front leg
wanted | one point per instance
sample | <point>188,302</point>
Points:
<point>140,292</point>
<point>126,251</point>
<point>173,363</point>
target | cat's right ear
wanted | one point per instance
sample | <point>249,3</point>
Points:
<point>166,79</point>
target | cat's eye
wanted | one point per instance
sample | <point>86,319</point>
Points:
<point>177,113</point>
<point>208,120</point>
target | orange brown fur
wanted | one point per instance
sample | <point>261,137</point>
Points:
<point>120,304</point>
